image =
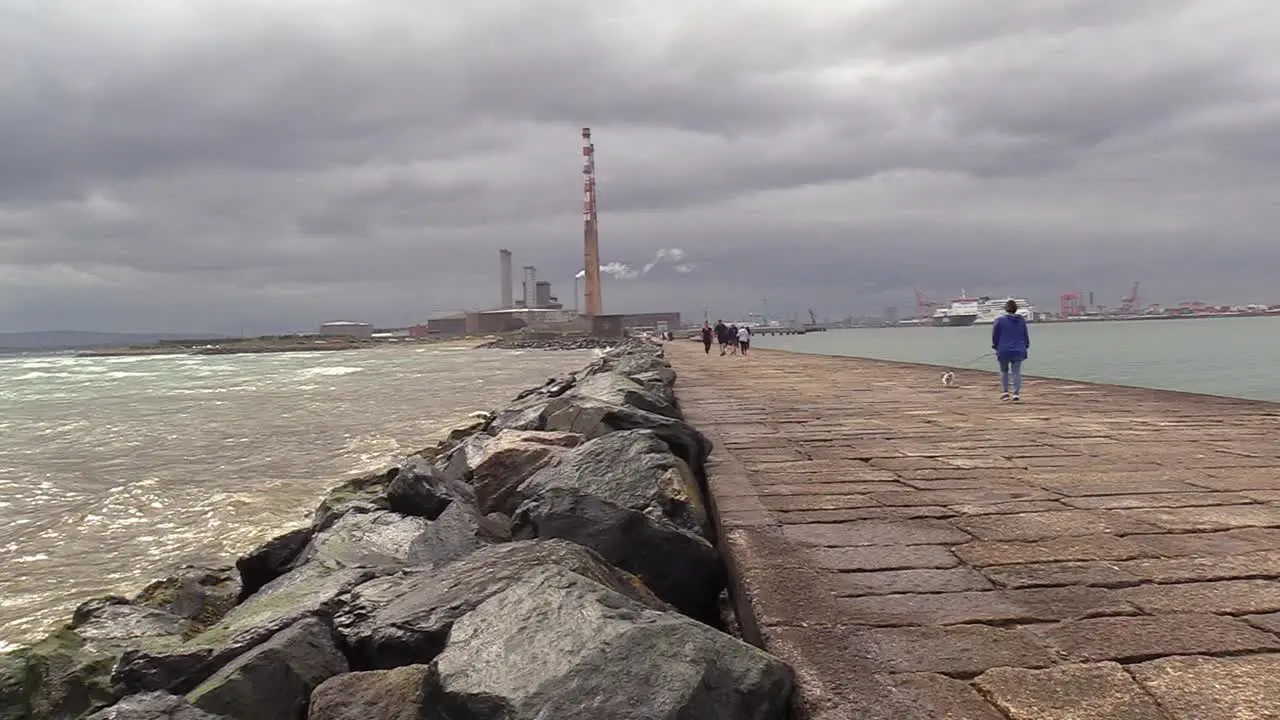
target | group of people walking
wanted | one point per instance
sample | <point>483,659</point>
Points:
<point>732,339</point>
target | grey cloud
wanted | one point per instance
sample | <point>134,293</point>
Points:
<point>165,167</point>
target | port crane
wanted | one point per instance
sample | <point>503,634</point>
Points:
<point>1129,303</point>
<point>924,306</point>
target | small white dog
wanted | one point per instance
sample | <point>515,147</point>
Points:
<point>948,379</point>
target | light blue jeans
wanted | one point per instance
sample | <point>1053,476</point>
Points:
<point>1011,368</point>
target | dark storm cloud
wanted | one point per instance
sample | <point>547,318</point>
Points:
<point>211,165</point>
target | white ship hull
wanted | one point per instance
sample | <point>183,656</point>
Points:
<point>990,309</point>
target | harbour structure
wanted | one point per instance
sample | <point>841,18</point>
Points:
<point>504,270</point>
<point>591,300</point>
<point>346,328</point>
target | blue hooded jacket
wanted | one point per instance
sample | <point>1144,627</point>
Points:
<point>1009,337</point>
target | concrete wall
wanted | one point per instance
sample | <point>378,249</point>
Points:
<point>356,330</point>
<point>672,319</point>
<point>448,325</point>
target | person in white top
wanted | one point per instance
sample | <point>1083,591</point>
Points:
<point>744,339</point>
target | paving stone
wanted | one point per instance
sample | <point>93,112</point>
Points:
<point>1224,597</point>
<point>817,502</point>
<point>1002,606</point>
<point>909,463</point>
<point>1061,574</point>
<point>801,517</point>
<point>1202,519</point>
<point>1193,569</point>
<point>1069,692</point>
<point>974,483</point>
<point>956,650</point>
<point>1128,639</point>
<point>955,473</point>
<point>841,488</point>
<point>1267,496</point>
<point>1156,500</point>
<point>1046,525</point>
<point>1087,547</point>
<point>1229,542</point>
<point>1116,484</point>
<point>883,557</point>
<point>1203,688</point>
<point>890,582</point>
<point>877,532</point>
<point>1012,508</point>
<point>1269,622</point>
<point>961,497</point>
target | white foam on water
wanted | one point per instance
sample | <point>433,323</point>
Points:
<point>329,371</point>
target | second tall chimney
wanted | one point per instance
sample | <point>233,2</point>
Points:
<point>504,263</point>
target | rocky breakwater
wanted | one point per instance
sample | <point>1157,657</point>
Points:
<point>551,560</point>
<point>548,341</point>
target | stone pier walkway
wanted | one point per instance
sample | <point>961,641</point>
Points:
<point>921,553</point>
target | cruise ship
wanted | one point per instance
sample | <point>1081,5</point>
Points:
<point>962,312</point>
<point>990,308</point>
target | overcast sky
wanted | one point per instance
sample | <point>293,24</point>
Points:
<point>209,165</point>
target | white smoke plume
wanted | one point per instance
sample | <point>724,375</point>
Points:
<point>621,271</point>
<point>669,256</point>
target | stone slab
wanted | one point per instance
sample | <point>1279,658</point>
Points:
<point>1069,692</point>
<point>1047,525</point>
<point>1128,639</point>
<point>991,607</point>
<point>891,582</point>
<point>1205,688</point>
<point>877,532</point>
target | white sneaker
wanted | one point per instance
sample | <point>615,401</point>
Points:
<point>1005,397</point>
<point>1016,398</point>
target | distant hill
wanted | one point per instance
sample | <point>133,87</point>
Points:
<point>79,340</point>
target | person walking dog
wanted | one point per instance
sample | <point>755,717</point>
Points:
<point>1012,343</point>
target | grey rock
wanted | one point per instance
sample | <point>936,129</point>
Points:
<point>274,680</point>
<point>632,469</point>
<point>110,619</point>
<point>405,619</point>
<point>681,568</point>
<point>203,595</point>
<point>378,538</point>
<point>594,418</point>
<point>154,706</point>
<point>368,491</point>
<point>419,490</point>
<point>453,535</point>
<point>397,694</point>
<point>498,466</point>
<point>528,413</point>
<point>271,559</point>
<point>618,389</point>
<point>66,674</point>
<point>557,645</point>
<point>311,590</point>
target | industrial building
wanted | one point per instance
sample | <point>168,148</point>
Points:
<point>346,328</point>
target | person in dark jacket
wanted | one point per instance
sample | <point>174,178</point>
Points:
<point>722,335</point>
<point>706,338</point>
<point>1012,343</point>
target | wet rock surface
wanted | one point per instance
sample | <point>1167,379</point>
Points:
<point>551,559</point>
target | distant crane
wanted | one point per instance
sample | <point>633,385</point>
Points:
<point>1129,303</point>
<point>924,306</point>
<point>813,319</point>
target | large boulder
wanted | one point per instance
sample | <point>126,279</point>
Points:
<point>452,536</point>
<point>397,694</point>
<point>153,706</point>
<point>593,418</point>
<point>527,413</point>
<point>67,673</point>
<point>366,491</point>
<point>271,559</point>
<point>406,619</point>
<point>618,389</point>
<point>311,590</point>
<point>494,466</point>
<point>364,539</point>
<point>418,489</point>
<point>274,680</point>
<point>625,496</point>
<point>558,645</point>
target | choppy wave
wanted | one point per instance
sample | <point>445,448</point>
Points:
<point>114,469</point>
